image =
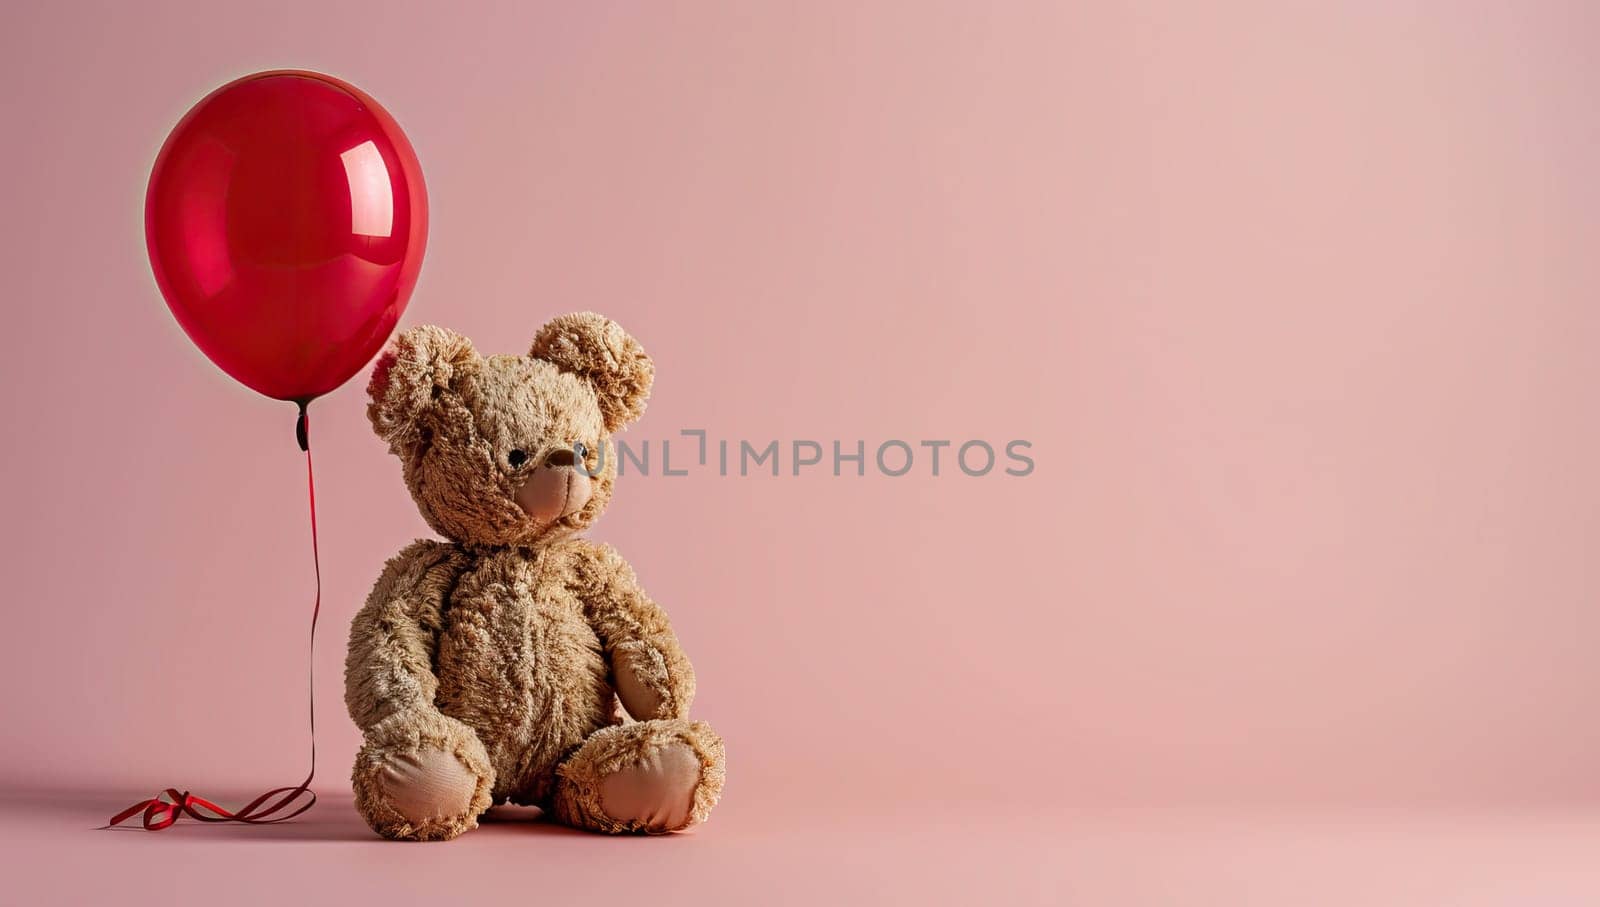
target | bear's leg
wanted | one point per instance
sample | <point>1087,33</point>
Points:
<point>422,778</point>
<point>648,776</point>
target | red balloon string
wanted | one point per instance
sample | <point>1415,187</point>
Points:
<point>269,807</point>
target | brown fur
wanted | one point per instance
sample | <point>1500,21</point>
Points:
<point>509,645</point>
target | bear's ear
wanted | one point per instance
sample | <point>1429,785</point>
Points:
<point>598,350</point>
<point>409,376</point>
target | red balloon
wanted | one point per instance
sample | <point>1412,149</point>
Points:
<point>286,220</point>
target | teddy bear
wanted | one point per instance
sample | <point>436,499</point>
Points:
<point>489,667</point>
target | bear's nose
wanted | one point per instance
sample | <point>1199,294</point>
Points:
<point>562,457</point>
<point>550,494</point>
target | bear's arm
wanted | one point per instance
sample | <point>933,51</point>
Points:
<point>389,667</point>
<point>653,677</point>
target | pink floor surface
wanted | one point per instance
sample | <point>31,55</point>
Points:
<point>751,855</point>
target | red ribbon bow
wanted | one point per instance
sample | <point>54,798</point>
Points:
<point>159,813</point>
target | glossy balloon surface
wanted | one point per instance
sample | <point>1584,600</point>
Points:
<point>286,220</point>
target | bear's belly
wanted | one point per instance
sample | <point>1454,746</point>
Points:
<point>518,664</point>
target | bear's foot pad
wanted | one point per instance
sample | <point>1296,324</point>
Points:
<point>656,792</point>
<point>427,786</point>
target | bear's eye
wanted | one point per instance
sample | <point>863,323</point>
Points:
<point>517,457</point>
<point>579,448</point>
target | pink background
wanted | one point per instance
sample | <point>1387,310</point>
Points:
<point>1295,302</point>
